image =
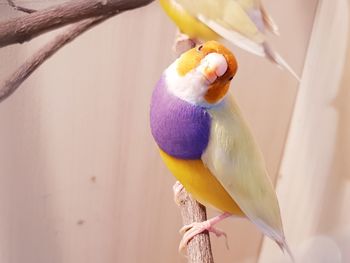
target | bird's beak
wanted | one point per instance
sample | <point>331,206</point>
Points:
<point>214,65</point>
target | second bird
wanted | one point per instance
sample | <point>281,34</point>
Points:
<point>242,22</point>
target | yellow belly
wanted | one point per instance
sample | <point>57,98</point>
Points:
<point>188,24</point>
<point>202,185</point>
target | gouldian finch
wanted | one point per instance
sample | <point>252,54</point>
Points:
<point>242,22</point>
<point>207,145</point>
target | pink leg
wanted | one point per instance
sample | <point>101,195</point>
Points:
<point>183,43</point>
<point>196,228</point>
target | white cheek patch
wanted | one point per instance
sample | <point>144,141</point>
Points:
<point>194,85</point>
<point>191,88</point>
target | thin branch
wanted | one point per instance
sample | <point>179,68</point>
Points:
<point>20,8</point>
<point>21,29</point>
<point>27,68</point>
<point>199,247</point>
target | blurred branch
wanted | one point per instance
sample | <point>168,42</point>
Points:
<point>199,247</point>
<point>84,13</point>
<point>10,85</point>
<point>24,28</point>
<point>20,8</point>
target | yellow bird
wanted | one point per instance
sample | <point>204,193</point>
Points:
<point>206,143</point>
<point>242,22</point>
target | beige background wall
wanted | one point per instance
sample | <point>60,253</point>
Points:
<point>81,179</point>
<point>314,186</point>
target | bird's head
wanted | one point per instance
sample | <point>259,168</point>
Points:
<point>203,74</point>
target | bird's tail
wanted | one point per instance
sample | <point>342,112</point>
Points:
<point>268,21</point>
<point>282,243</point>
<point>276,58</point>
<point>261,49</point>
<point>276,234</point>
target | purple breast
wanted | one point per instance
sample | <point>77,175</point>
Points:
<point>179,128</point>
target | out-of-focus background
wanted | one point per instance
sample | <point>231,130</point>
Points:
<point>80,176</point>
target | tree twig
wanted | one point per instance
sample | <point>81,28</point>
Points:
<point>199,247</point>
<point>20,8</point>
<point>21,29</point>
<point>10,85</point>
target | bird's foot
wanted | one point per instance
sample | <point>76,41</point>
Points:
<point>191,230</point>
<point>177,188</point>
<point>184,43</point>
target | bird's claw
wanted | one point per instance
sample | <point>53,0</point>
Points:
<point>193,229</point>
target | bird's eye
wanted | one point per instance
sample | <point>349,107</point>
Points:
<point>200,47</point>
<point>230,78</point>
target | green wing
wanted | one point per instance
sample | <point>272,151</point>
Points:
<point>235,159</point>
<point>224,16</point>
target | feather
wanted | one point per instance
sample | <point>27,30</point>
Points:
<point>186,22</point>
<point>228,14</point>
<point>235,160</point>
<point>277,58</point>
<point>268,21</point>
<point>260,49</point>
<point>235,37</point>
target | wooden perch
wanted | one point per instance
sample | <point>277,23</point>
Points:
<point>18,30</point>
<point>26,27</point>
<point>199,248</point>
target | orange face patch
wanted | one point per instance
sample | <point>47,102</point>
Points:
<point>216,91</point>
<point>192,58</point>
<point>189,60</point>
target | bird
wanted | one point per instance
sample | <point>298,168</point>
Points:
<point>207,144</point>
<point>244,23</point>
